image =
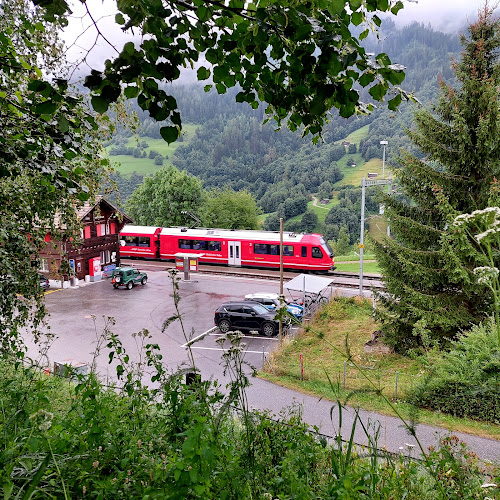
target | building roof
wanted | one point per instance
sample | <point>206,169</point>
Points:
<point>87,207</point>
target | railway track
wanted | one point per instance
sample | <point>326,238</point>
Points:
<point>340,279</point>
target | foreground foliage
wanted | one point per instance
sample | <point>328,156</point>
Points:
<point>465,381</point>
<point>82,440</point>
<point>300,58</point>
<point>49,161</point>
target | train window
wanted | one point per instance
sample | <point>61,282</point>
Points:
<point>198,245</point>
<point>260,248</point>
<point>184,244</point>
<point>214,246</point>
<point>274,249</point>
<point>130,241</point>
<point>288,250</point>
<point>143,241</point>
<point>303,251</point>
<point>316,253</point>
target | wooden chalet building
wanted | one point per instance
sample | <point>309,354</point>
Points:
<point>98,248</point>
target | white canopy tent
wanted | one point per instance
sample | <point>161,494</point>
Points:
<point>307,283</point>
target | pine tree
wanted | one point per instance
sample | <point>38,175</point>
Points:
<point>427,280</point>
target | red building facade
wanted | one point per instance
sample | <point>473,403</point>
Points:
<point>64,257</point>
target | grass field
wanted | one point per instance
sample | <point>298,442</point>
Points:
<point>323,346</point>
<point>353,267</point>
<point>126,164</point>
<point>356,136</point>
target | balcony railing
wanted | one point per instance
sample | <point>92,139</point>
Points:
<point>95,241</point>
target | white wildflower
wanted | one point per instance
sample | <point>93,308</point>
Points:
<point>46,418</point>
<point>491,230</point>
<point>478,214</point>
<point>485,274</point>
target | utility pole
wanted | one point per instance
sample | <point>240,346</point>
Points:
<point>383,143</point>
<point>364,184</point>
<point>282,297</point>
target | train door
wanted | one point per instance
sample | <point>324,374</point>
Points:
<point>234,253</point>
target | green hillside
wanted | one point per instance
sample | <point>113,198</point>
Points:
<point>126,164</point>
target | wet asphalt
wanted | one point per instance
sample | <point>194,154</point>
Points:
<point>78,316</point>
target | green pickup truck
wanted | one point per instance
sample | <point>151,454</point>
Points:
<point>128,277</point>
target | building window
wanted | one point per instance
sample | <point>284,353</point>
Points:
<point>44,265</point>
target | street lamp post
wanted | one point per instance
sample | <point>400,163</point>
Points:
<point>383,143</point>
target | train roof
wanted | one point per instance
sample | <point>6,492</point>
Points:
<point>288,237</point>
<point>140,229</point>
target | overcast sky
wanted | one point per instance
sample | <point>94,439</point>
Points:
<point>443,15</point>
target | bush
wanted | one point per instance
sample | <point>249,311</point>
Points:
<point>466,379</point>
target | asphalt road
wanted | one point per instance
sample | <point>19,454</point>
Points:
<point>79,315</point>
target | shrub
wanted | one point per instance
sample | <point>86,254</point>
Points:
<point>466,379</point>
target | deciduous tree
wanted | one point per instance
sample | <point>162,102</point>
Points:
<point>162,197</point>
<point>229,209</point>
<point>49,159</point>
<point>301,58</point>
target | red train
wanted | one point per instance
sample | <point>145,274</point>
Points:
<point>305,252</point>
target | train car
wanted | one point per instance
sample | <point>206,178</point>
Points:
<point>140,241</point>
<point>309,252</point>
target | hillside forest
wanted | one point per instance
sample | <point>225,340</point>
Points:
<point>314,187</point>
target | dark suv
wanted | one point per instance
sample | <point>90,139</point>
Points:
<point>128,277</point>
<point>246,315</point>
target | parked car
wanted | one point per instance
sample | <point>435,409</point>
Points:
<point>128,277</point>
<point>272,302</point>
<point>44,282</point>
<point>246,315</point>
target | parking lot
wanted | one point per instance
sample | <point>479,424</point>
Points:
<point>78,316</point>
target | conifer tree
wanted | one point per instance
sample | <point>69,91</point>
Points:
<point>429,283</point>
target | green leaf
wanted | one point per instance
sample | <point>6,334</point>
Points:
<point>355,4</point>
<point>335,7</point>
<point>203,73</point>
<point>357,18</point>
<point>63,124</point>
<point>45,108</point>
<point>394,103</point>
<point>119,19</point>
<point>202,13</point>
<point>397,8</point>
<point>99,104</point>
<point>129,48</point>
<point>378,91</point>
<point>131,92</point>
<point>169,134</point>
<point>366,78</point>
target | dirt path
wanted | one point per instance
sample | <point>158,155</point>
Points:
<point>315,203</point>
